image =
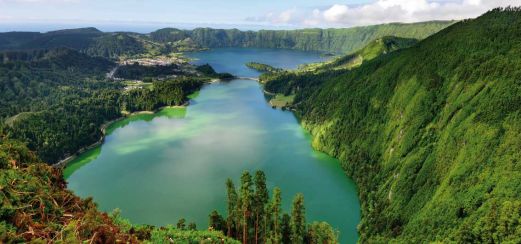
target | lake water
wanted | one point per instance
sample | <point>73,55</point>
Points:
<point>171,165</point>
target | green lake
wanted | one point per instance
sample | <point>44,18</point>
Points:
<point>173,164</point>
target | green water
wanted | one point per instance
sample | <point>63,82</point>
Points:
<point>173,164</point>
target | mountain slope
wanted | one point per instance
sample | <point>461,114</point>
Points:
<point>372,50</point>
<point>87,40</point>
<point>289,82</point>
<point>113,45</point>
<point>430,133</point>
<point>328,40</point>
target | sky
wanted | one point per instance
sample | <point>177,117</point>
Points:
<point>148,15</point>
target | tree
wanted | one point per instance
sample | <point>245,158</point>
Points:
<point>276,203</point>
<point>231,220</point>
<point>192,226</point>
<point>298,219</point>
<point>285,228</point>
<point>321,232</point>
<point>246,203</point>
<point>260,201</point>
<point>181,224</point>
<point>216,221</point>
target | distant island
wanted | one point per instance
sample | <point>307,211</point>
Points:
<point>265,68</point>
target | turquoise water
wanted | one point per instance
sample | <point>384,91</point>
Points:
<point>158,169</point>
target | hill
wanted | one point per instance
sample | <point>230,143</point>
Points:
<point>328,40</point>
<point>113,45</point>
<point>429,133</point>
<point>374,49</point>
<point>284,83</point>
<point>86,40</point>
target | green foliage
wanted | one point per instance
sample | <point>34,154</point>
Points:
<point>86,40</point>
<point>173,235</point>
<point>429,133</point>
<point>298,220</point>
<point>35,206</point>
<point>372,50</point>
<point>216,222</point>
<point>253,218</point>
<point>140,72</point>
<point>320,232</point>
<point>115,45</point>
<point>207,70</point>
<point>57,100</point>
<point>262,67</point>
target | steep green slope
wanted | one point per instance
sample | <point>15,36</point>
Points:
<point>329,40</point>
<point>372,50</point>
<point>289,82</point>
<point>429,133</point>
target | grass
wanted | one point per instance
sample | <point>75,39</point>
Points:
<point>282,101</point>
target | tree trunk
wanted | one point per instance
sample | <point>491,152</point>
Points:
<point>229,232</point>
<point>257,228</point>
<point>265,229</point>
<point>244,232</point>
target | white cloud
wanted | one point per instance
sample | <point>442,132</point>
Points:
<point>385,11</point>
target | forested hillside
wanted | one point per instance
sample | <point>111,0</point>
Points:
<point>430,133</point>
<point>56,100</point>
<point>86,40</point>
<point>327,40</point>
<point>113,45</point>
<point>289,82</point>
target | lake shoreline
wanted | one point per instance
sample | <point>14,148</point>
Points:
<point>64,162</point>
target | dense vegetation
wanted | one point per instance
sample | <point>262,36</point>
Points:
<point>286,83</point>
<point>208,70</point>
<point>262,67</point>
<point>116,45</point>
<point>86,40</point>
<point>254,217</point>
<point>140,72</point>
<point>164,93</point>
<point>56,100</point>
<point>430,133</point>
<point>328,40</point>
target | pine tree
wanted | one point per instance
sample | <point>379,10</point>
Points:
<point>260,201</point>
<point>285,228</point>
<point>246,203</point>
<point>216,221</point>
<point>276,203</point>
<point>231,220</point>
<point>298,220</point>
<point>192,226</point>
<point>181,224</point>
<point>321,232</point>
